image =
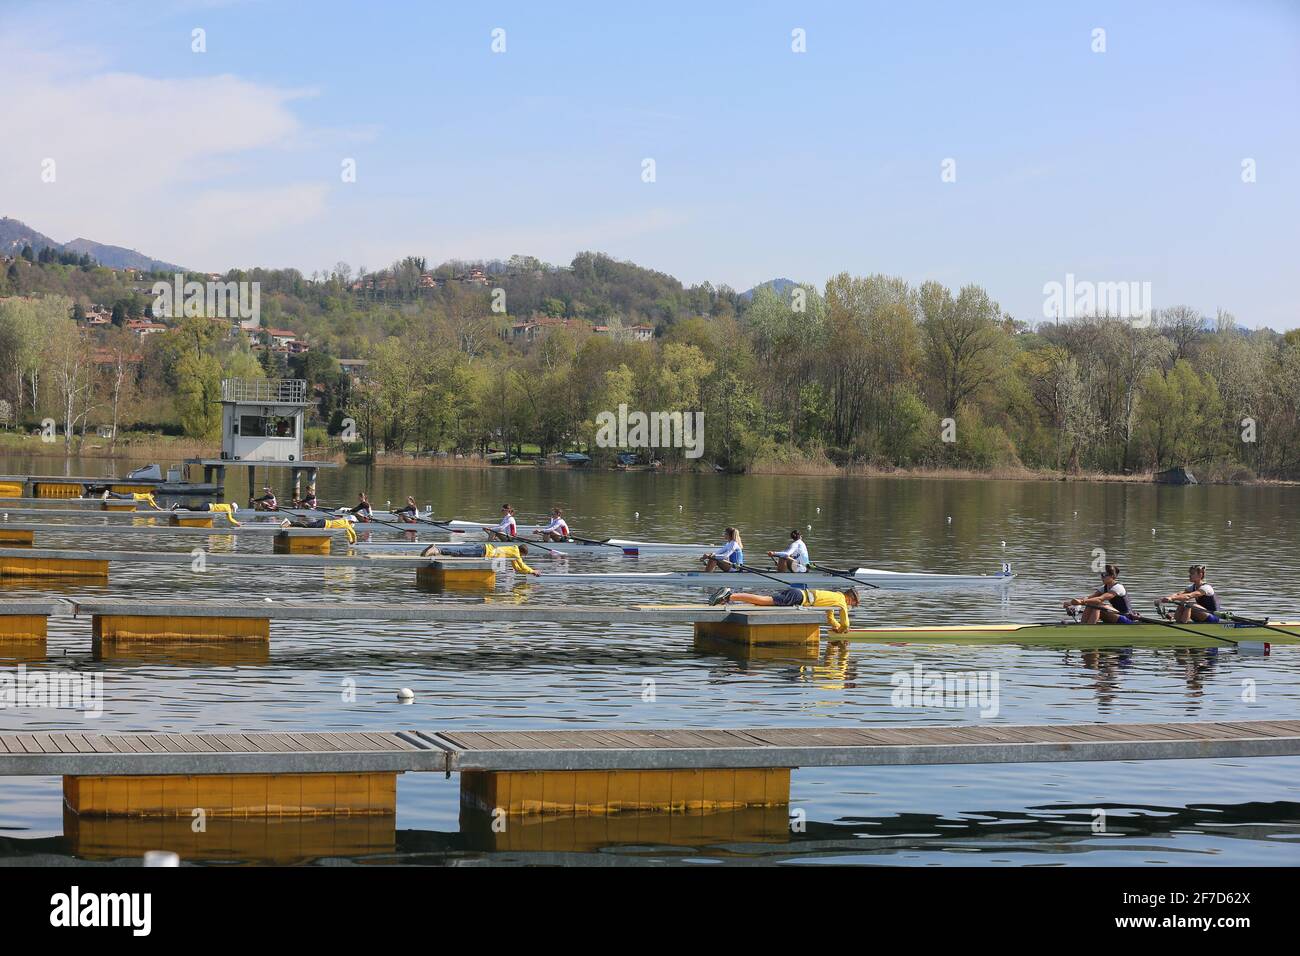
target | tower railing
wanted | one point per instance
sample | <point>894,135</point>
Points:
<point>266,391</point>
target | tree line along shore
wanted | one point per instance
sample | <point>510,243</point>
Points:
<point>865,375</point>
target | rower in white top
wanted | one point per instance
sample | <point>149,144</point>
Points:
<point>793,559</point>
<point>729,557</point>
<point>505,528</point>
<point>557,530</point>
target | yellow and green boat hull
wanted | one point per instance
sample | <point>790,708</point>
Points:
<point>1081,635</point>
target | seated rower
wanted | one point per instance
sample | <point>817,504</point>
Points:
<point>729,557</point>
<point>793,559</point>
<point>514,552</point>
<point>330,524</point>
<point>837,603</point>
<point>361,510</point>
<point>409,512</point>
<point>1108,604</point>
<point>505,529</point>
<point>557,530</point>
<point>1198,602</point>
<point>307,501</point>
<point>266,502</point>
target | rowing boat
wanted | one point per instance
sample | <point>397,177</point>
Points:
<point>1073,634</point>
<point>614,548</point>
<point>733,579</point>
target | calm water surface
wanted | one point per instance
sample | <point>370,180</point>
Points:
<point>1211,812</point>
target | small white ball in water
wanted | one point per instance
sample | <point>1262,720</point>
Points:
<point>1229,523</point>
<point>950,519</point>
<point>636,515</point>
<point>406,695</point>
<point>810,527</point>
<point>1004,544</point>
<point>1153,530</point>
<point>268,600</point>
<point>679,507</point>
<point>819,510</point>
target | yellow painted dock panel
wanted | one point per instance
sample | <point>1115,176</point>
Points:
<point>145,627</point>
<point>59,489</point>
<point>15,567</point>
<point>301,544</point>
<point>809,633</point>
<point>614,791</point>
<point>254,795</point>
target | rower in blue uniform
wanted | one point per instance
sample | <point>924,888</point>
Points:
<point>1108,604</point>
<point>1198,602</point>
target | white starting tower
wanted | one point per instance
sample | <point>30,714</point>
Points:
<point>262,424</point>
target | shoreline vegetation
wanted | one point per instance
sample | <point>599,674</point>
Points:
<point>867,374</point>
<point>167,449</point>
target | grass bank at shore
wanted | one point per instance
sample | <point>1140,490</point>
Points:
<point>164,449</point>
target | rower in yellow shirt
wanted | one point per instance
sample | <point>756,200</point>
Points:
<point>514,552</point>
<point>837,603</point>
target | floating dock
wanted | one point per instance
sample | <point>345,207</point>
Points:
<point>123,621</point>
<point>563,771</point>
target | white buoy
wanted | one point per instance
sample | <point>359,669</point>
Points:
<point>819,510</point>
<point>1076,514</point>
<point>406,695</point>
<point>1153,530</point>
<point>679,507</point>
<point>161,858</point>
<point>1004,544</point>
<point>268,600</point>
<point>1229,523</point>
<point>950,519</point>
<point>636,516</point>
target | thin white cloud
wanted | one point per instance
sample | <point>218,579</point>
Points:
<point>151,163</point>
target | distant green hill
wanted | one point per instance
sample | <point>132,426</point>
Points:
<point>14,235</point>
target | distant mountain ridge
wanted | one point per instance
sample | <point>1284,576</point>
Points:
<point>15,234</point>
<point>781,287</point>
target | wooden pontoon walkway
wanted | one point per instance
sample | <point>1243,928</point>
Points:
<point>80,753</point>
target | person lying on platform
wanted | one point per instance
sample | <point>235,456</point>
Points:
<point>505,529</point>
<point>794,559</point>
<point>409,512</point>
<point>1198,602</point>
<point>267,502</point>
<point>145,497</point>
<point>514,552</point>
<point>214,507</point>
<point>837,603</point>
<point>1108,604</point>
<point>330,524</point>
<point>557,530</point>
<point>729,557</point>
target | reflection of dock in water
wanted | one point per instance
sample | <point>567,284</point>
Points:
<point>749,835</point>
<point>278,841</point>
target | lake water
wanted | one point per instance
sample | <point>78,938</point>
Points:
<point>516,676</point>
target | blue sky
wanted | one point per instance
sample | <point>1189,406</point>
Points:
<point>1115,166</point>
